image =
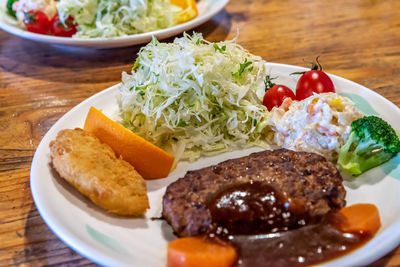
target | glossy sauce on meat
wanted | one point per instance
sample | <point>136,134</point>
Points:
<point>301,247</point>
<point>252,208</point>
<point>306,178</point>
<point>268,229</point>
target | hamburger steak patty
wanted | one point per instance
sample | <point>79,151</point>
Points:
<point>306,178</point>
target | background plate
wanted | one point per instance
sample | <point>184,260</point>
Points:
<point>118,241</point>
<point>207,9</point>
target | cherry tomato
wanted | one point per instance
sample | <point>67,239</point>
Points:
<point>60,29</point>
<point>36,21</point>
<point>313,81</point>
<point>275,96</point>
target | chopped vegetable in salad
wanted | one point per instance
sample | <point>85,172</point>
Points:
<point>104,18</point>
<point>101,18</point>
<point>20,7</point>
<point>193,97</point>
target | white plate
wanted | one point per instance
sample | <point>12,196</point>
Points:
<point>118,241</point>
<point>207,9</point>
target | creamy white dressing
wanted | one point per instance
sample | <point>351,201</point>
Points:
<point>320,124</point>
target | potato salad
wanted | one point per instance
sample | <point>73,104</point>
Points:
<point>320,123</point>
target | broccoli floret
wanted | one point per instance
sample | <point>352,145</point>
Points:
<point>371,142</point>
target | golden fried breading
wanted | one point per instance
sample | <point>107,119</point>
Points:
<point>92,168</point>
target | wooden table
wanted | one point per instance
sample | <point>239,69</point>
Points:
<point>356,39</point>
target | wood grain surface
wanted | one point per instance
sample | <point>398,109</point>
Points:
<point>356,39</point>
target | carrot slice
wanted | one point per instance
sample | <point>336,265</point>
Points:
<point>198,252</point>
<point>188,12</point>
<point>360,218</point>
<point>149,160</point>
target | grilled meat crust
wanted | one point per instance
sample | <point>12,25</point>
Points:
<point>307,178</point>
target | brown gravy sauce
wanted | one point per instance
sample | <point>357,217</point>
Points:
<point>301,247</point>
<point>253,208</point>
<point>268,229</point>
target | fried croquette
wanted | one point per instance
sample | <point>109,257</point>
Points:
<point>94,170</point>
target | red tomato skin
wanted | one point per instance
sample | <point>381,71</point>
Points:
<point>59,29</point>
<point>36,21</point>
<point>275,96</point>
<point>313,81</point>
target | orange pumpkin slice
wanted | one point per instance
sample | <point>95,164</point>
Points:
<point>149,160</point>
<point>188,10</point>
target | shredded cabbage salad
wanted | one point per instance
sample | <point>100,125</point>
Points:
<point>194,98</point>
<point>104,18</point>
